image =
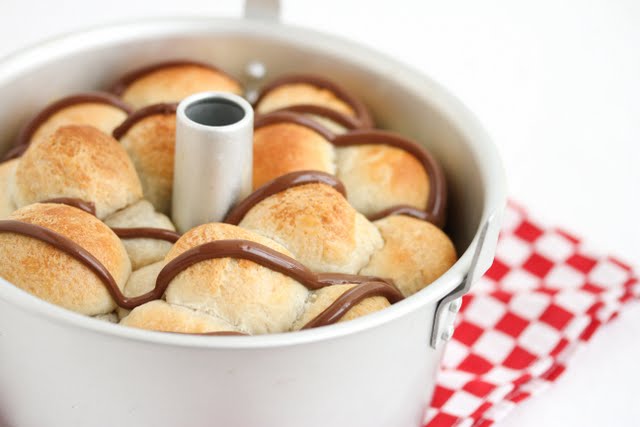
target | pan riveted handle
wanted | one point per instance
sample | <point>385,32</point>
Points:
<point>482,257</point>
<point>267,10</point>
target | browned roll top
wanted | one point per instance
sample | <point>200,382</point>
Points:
<point>128,78</point>
<point>348,122</point>
<point>83,205</point>
<point>363,117</point>
<point>124,233</point>
<point>164,108</point>
<point>25,134</point>
<point>279,184</point>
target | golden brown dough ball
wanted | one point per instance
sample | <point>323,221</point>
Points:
<point>54,276</point>
<point>379,176</point>
<point>79,162</point>
<point>173,81</point>
<point>149,136</point>
<point>158,315</point>
<point>284,147</point>
<point>252,298</point>
<point>415,253</point>
<point>317,224</point>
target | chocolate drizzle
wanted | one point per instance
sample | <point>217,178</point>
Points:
<point>361,112</point>
<point>146,233</point>
<point>121,85</point>
<point>83,205</point>
<point>435,209</point>
<point>71,248</point>
<point>123,233</point>
<point>347,122</point>
<point>24,136</point>
<point>295,118</point>
<point>135,117</point>
<point>366,286</point>
<point>242,249</point>
<point>279,184</point>
<point>352,297</point>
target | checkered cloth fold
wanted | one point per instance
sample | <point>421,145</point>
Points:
<point>543,298</point>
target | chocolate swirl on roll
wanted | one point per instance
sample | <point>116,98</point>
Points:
<point>279,184</point>
<point>123,233</point>
<point>147,233</point>
<point>121,85</point>
<point>349,299</point>
<point>361,112</point>
<point>366,286</point>
<point>348,122</point>
<point>24,136</point>
<point>136,116</point>
<point>295,118</point>
<point>435,209</point>
<point>242,249</point>
<point>83,205</point>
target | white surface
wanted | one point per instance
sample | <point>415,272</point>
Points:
<point>555,83</point>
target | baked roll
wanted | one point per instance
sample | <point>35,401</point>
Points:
<point>304,90</point>
<point>48,271</point>
<point>158,315</point>
<point>415,253</point>
<point>313,220</point>
<point>172,81</point>
<point>385,173</point>
<point>286,142</point>
<point>98,109</point>
<point>253,298</point>
<point>79,162</point>
<point>7,175</point>
<point>149,136</point>
<point>140,216</point>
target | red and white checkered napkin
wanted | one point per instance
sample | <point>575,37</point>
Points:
<point>543,298</point>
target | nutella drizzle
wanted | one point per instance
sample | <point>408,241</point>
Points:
<point>68,246</point>
<point>295,118</point>
<point>25,134</point>
<point>136,116</point>
<point>83,205</point>
<point>352,297</point>
<point>279,184</point>
<point>435,209</point>
<point>348,122</point>
<point>123,233</point>
<point>121,85</point>
<point>361,112</point>
<point>243,249</point>
<point>147,233</point>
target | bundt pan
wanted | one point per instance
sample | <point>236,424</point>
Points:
<point>62,369</point>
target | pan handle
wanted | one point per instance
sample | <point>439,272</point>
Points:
<point>265,10</point>
<point>482,257</point>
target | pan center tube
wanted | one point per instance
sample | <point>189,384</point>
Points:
<point>213,157</point>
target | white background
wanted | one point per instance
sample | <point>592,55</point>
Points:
<point>557,85</point>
